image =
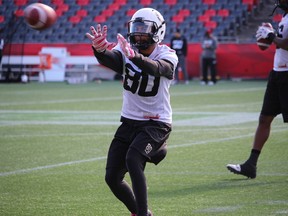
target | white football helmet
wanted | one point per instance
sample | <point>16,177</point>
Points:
<point>283,4</point>
<point>146,21</point>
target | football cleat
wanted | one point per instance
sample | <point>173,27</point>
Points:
<point>245,169</point>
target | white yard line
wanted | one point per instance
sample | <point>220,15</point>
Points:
<point>23,171</point>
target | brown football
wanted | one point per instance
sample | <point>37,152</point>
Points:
<point>262,43</point>
<point>39,16</point>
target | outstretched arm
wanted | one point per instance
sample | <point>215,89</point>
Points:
<point>101,48</point>
<point>155,68</point>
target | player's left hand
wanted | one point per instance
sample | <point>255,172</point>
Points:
<point>265,33</point>
<point>125,46</point>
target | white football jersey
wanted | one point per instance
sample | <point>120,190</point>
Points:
<point>281,55</point>
<point>145,96</point>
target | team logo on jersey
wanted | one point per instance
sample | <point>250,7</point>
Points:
<point>148,148</point>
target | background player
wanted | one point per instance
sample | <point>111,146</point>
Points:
<point>146,115</point>
<point>276,95</point>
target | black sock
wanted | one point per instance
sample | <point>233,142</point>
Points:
<point>253,157</point>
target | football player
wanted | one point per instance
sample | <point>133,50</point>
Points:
<point>147,68</point>
<point>276,95</point>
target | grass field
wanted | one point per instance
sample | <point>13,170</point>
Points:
<point>54,139</point>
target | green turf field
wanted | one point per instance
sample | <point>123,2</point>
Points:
<point>54,139</point>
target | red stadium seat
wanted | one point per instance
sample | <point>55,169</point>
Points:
<point>145,2</point>
<point>210,12</point>
<point>184,12</point>
<point>59,12</point>
<point>209,2</point>
<point>82,13</point>
<point>107,13</point>
<point>170,2</point>
<point>75,19</point>
<point>113,7</point>
<point>203,18</point>
<point>100,19</point>
<point>211,25</point>
<point>249,3</point>
<point>20,2</point>
<point>2,19</point>
<point>120,2</point>
<point>19,13</point>
<point>130,12</point>
<point>57,2</point>
<point>277,17</point>
<point>82,2</point>
<point>178,18</point>
<point>223,12</point>
<point>63,7</point>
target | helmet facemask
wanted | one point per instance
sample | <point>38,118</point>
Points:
<point>142,33</point>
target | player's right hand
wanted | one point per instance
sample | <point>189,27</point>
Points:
<point>98,38</point>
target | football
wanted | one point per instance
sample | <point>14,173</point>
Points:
<point>262,43</point>
<point>39,16</point>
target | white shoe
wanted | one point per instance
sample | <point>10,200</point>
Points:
<point>210,83</point>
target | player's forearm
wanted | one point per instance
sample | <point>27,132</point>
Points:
<point>154,68</point>
<point>110,59</point>
<point>281,43</point>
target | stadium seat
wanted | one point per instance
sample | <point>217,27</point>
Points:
<point>145,2</point>
<point>57,2</point>
<point>82,2</point>
<point>210,12</point>
<point>204,18</point>
<point>223,12</point>
<point>107,13</point>
<point>20,2</point>
<point>249,3</point>
<point>171,2</point>
<point>210,25</point>
<point>100,19</point>
<point>209,2</point>
<point>120,2</point>
<point>184,12</point>
<point>19,13</point>
<point>277,17</point>
<point>2,19</point>
<point>75,19</point>
<point>130,12</point>
<point>81,13</point>
<point>114,7</point>
<point>178,18</point>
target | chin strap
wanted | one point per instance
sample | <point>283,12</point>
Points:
<point>274,10</point>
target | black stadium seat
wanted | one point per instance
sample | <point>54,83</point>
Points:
<point>223,16</point>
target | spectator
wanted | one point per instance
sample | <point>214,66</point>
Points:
<point>147,68</point>
<point>208,59</point>
<point>179,44</point>
<point>276,95</point>
<point>1,50</point>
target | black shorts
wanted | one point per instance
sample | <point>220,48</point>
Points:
<point>276,95</point>
<point>147,137</point>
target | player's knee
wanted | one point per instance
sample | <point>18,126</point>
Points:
<point>112,178</point>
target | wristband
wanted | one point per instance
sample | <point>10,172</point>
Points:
<point>271,37</point>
